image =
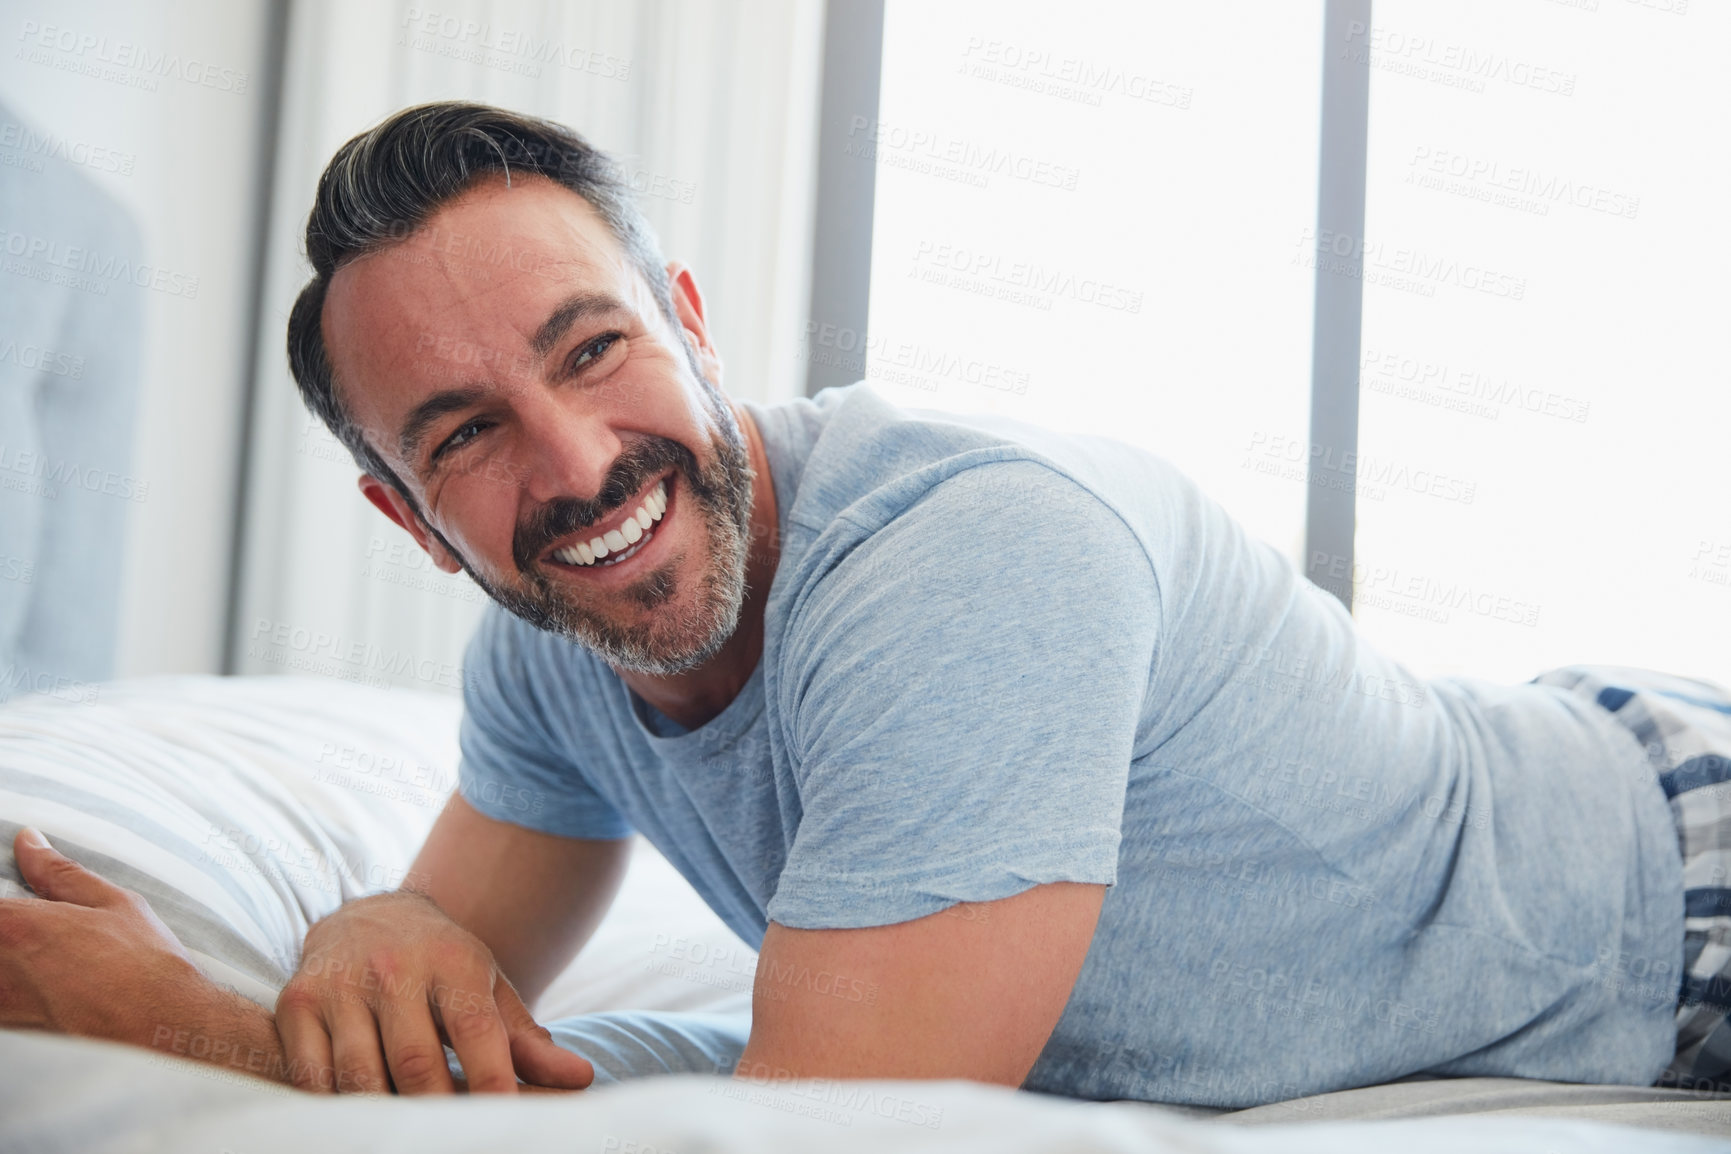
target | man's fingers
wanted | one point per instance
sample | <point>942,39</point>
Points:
<point>539,1060</point>
<point>305,1044</point>
<point>355,1053</point>
<point>413,1050</point>
<point>471,1022</point>
<point>57,877</point>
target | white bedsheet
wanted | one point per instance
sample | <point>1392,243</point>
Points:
<point>63,1094</point>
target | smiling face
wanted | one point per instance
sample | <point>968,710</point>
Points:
<point>565,444</point>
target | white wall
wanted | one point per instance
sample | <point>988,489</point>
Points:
<point>166,93</point>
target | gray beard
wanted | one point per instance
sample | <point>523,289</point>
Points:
<point>669,643</point>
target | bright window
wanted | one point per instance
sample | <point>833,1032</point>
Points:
<point>1063,234</point>
<point>1545,357</point>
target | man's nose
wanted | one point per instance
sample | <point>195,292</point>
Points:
<point>569,455</point>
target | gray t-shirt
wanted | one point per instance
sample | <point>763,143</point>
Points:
<point>997,656</point>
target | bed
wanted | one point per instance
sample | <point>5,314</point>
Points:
<point>245,809</point>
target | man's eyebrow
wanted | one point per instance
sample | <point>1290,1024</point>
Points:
<point>422,416</point>
<point>574,309</point>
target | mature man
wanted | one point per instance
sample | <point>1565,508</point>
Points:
<point>1017,759</point>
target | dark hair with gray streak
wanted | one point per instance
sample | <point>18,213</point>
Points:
<point>384,184</point>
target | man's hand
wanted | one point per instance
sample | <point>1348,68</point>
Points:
<point>386,981</point>
<point>92,959</point>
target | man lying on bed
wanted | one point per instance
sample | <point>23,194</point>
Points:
<point>1019,760</point>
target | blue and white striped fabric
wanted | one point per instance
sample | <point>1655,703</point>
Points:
<point>246,808</point>
<point>242,809</point>
<point>1684,725</point>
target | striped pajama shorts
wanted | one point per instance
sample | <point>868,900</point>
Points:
<point>1685,727</point>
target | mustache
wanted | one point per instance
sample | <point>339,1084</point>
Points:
<point>565,515</point>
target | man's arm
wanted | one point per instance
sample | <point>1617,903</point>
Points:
<point>533,898</point>
<point>971,992</point>
<point>88,958</point>
<point>384,981</point>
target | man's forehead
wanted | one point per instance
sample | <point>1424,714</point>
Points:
<point>482,274</point>
<point>491,250</point>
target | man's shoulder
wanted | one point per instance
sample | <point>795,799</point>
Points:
<point>873,461</point>
<point>926,516</point>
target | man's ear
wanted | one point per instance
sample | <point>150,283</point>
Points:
<point>391,503</point>
<point>688,304</point>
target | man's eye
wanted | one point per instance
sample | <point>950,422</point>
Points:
<point>593,351</point>
<point>461,436</point>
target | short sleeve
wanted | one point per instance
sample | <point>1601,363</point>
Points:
<point>513,768</point>
<point>965,687</point>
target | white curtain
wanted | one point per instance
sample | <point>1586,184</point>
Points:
<point>712,106</point>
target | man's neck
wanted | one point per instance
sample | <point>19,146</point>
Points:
<point>696,697</point>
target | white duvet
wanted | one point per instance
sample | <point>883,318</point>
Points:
<point>246,809</point>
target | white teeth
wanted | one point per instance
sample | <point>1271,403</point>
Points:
<point>631,531</point>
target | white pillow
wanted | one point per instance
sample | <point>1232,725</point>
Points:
<point>245,809</point>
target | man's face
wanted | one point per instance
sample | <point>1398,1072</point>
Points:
<point>512,366</point>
